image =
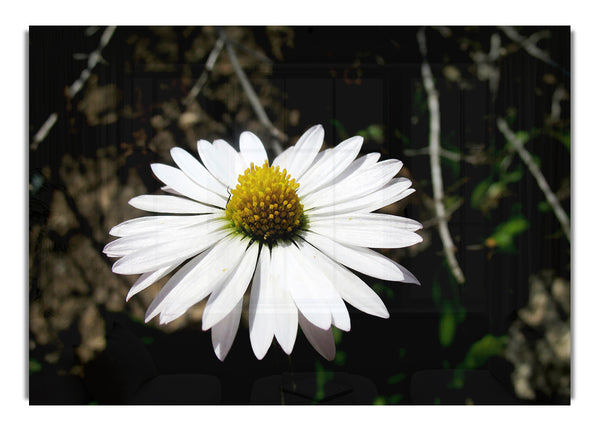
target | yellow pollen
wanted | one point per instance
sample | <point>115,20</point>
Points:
<point>264,205</point>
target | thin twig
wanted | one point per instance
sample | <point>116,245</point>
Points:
<point>254,53</point>
<point>253,98</point>
<point>558,96</point>
<point>208,67</point>
<point>494,55</point>
<point>434,156</point>
<point>518,145</point>
<point>450,155</point>
<point>447,214</point>
<point>93,59</point>
<point>530,45</point>
<point>44,130</point>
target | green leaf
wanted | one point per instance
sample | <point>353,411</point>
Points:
<point>513,176</point>
<point>396,378</point>
<point>479,192</point>
<point>322,377</point>
<point>544,206</point>
<point>379,401</point>
<point>373,132</point>
<point>340,358</point>
<point>504,234</point>
<point>337,335</point>
<point>340,129</point>
<point>447,327</point>
<point>381,289</point>
<point>522,136</point>
<point>34,366</point>
<point>483,349</point>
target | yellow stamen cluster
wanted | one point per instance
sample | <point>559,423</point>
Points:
<point>264,205</point>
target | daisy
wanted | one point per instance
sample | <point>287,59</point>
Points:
<point>291,231</point>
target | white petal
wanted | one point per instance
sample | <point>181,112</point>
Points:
<point>361,259</point>
<point>286,312</point>
<point>225,297</point>
<point>394,191</point>
<point>216,163</point>
<point>170,204</point>
<point>321,340</point>
<point>147,279</point>
<point>351,288</point>
<point>369,230</point>
<point>175,250</point>
<point>260,309</point>
<point>230,158</point>
<point>330,165</point>
<point>221,260</point>
<point>282,158</point>
<point>180,182</point>
<point>356,167</point>
<point>151,239</point>
<point>305,151</point>
<point>354,186</point>
<point>313,294</point>
<point>339,313</point>
<point>223,333</point>
<point>146,224</point>
<point>197,172</point>
<point>156,304</point>
<point>252,149</point>
<point>171,191</point>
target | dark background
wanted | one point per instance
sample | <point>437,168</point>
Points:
<point>88,346</point>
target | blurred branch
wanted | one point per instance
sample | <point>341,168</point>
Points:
<point>529,44</point>
<point>450,155</point>
<point>253,98</point>
<point>434,156</point>
<point>44,130</point>
<point>254,53</point>
<point>518,145</point>
<point>448,211</point>
<point>93,59</point>
<point>208,67</point>
<point>558,96</point>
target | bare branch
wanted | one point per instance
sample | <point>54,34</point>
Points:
<point>93,59</point>
<point>558,96</point>
<point>450,155</point>
<point>253,98</point>
<point>448,211</point>
<point>553,201</point>
<point>208,67</point>
<point>434,156</point>
<point>530,45</point>
<point>44,130</point>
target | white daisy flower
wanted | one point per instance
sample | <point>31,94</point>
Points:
<point>290,231</point>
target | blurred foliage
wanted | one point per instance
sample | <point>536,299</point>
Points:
<point>505,233</point>
<point>374,132</point>
<point>383,290</point>
<point>482,350</point>
<point>322,377</point>
<point>477,356</point>
<point>34,366</point>
<point>451,316</point>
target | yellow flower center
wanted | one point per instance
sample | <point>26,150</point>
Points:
<point>264,205</point>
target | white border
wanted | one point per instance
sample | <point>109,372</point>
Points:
<point>374,12</point>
